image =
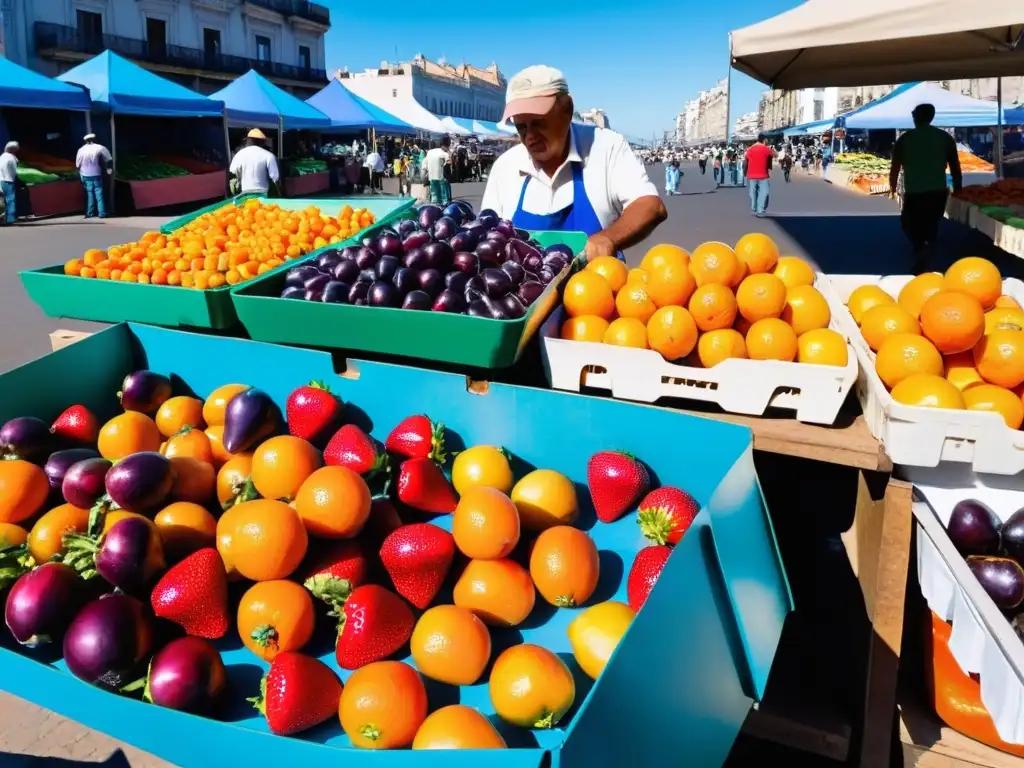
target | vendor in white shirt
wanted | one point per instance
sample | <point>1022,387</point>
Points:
<point>254,166</point>
<point>567,177</point>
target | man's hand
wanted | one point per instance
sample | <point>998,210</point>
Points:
<point>599,244</point>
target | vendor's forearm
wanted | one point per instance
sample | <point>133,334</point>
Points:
<point>638,221</point>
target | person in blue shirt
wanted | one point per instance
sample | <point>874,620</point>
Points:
<point>672,176</point>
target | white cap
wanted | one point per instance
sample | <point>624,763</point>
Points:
<point>533,91</point>
<point>89,137</point>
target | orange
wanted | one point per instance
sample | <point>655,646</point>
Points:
<point>127,433</point>
<point>178,412</point>
<point>672,332</point>
<point>906,354</point>
<point>806,309</point>
<point>584,328</point>
<point>333,503</point>
<point>715,262</point>
<point>1013,316</point>
<point>759,252</point>
<point>882,321</point>
<point>999,356</point>
<point>281,465</point>
<point>637,275</point>
<point>1007,301</point>
<point>451,645</point>
<point>564,566</point>
<point>46,537</point>
<point>185,528</point>
<point>627,332</point>
<point>771,339</point>
<point>723,344</point>
<point>926,390</point>
<point>275,616</point>
<point>864,297</point>
<point>216,437</point>
<point>217,403</point>
<point>189,442</point>
<point>457,727</point>
<point>713,306</point>
<point>23,490</point>
<point>545,498</point>
<point>383,705</point>
<point>588,293</point>
<point>794,271</point>
<point>194,480</point>
<point>760,296</point>
<point>976,277</point>
<point>232,477</point>
<point>611,269</point>
<point>531,687</point>
<point>952,321</point>
<point>822,346</point>
<point>485,465</point>
<point>485,523</point>
<point>635,301</point>
<point>959,370</point>
<point>500,592</point>
<point>914,294</point>
<point>989,397</point>
<point>12,535</point>
<point>664,254</point>
<point>261,540</point>
<point>596,632</point>
<point>670,284</point>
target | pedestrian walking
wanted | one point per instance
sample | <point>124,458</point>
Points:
<point>757,165</point>
<point>375,166</point>
<point>730,159</point>
<point>93,162</point>
<point>9,179</point>
<point>786,163</point>
<point>717,163</point>
<point>672,176</point>
<point>436,161</point>
<point>702,161</point>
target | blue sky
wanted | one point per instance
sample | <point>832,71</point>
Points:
<point>639,60</point>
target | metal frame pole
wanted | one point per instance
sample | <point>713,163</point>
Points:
<point>999,129</point>
<point>113,165</point>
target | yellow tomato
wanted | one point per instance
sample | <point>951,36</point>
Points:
<point>544,499</point>
<point>595,633</point>
<point>482,465</point>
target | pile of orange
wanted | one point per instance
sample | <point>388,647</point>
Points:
<point>702,308</point>
<point>948,340</point>
<point>223,247</point>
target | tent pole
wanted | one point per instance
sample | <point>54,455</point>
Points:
<point>113,165</point>
<point>999,128</point>
<point>728,90</point>
<point>227,150</point>
<point>88,122</point>
<point>280,137</point>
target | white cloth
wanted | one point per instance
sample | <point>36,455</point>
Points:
<point>91,160</point>
<point>8,167</point>
<point>435,161</point>
<point>613,177</point>
<point>375,162</point>
<point>255,168</point>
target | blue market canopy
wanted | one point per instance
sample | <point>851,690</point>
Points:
<point>952,110</point>
<point>252,100</point>
<point>816,128</point>
<point>347,110</point>
<point>20,87</point>
<point>124,88</point>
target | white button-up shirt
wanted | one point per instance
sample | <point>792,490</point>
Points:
<point>8,167</point>
<point>613,177</point>
<point>374,162</point>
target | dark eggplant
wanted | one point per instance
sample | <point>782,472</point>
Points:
<point>477,284</point>
<point>366,258</point>
<point>506,227</point>
<point>336,292</point>
<point>439,256</point>
<point>143,391</point>
<point>560,248</point>
<point>415,258</point>
<point>973,528</point>
<point>348,253</point>
<point>59,463</point>
<point>431,282</point>
<point>1002,578</point>
<point>534,263</point>
<point>489,217</point>
<point>449,301</point>
<point>491,252</point>
<point>456,281</point>
<point>367,275</point>
<point>522,234</point>
<point>496,283</point>
<point>358,293</point>
<point>529,291</point>
<point>26,437</point>
<point>108,641</point>
<point>406,227</point>
<point>250,417</point>
<point>417,300</point>
<point>406,280</point>
<point>42,604</point>
<point>131,555</point>
<point>368,242</point>
<point>383,294</point>
<point>141,481</point>
<point>386,267</point>
<point>299,275</point>
<point>313,295</point>
<point>515,272</point>
<point>466,261</point>
<point>387,229</point>
<point>513,306</point>
<point>496,308</point>
<point>476,226</point>
<point>188,675</point>
<point>85,482</point>
<point>317,283</point>
<point>456,212</point>
<point>293,292</point>
<point>1012,536</point>
<point>428,214</point>
<point>389,245</point>
<point>465,240</point>
<point>444,228</point>
<point>415,240</point>
<point>345,271</point>
<point>477,308</point>
<point>497,237</point>
<point>546,275</point>
<point>328,259</point>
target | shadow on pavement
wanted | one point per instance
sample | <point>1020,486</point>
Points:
<point>10,760</point>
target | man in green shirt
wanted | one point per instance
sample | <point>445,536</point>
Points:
<point>923,154</point>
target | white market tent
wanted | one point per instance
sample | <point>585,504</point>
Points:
<point>952,110</point>
<point>454,128</point>
<point>408,110</point>
<point>809,129</point>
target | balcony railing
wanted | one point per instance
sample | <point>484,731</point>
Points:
<point>55,37</point>
<point>300,8</point>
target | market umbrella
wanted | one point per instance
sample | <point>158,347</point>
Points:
<point>451,126</point>
<point>21,87</point>
<point>952,110</point>
<point>347,110</point>
<point>405,108</point>
<point>252,100</point>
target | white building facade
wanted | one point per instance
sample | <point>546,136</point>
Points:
<point>746,126</point>
<point>203,44</point>
<point>813,104</point>
<point>594,116</point>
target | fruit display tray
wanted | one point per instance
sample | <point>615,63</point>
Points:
<point>680,682</point>
<point>814,392</point>
<point>982,641</point>
<point>60,295</point>
<point>435,336</point>
<point>923,437</point>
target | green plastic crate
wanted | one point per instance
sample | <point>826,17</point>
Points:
<point>60,295</point>
<point>435,336</point>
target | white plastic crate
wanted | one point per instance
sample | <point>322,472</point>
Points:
<point>982,640</point>
<point>750,387</point>
<point>922,437</point>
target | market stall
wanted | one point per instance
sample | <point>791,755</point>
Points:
<point>406,109</point>
<point>150,108</point>
<point>48,118</point>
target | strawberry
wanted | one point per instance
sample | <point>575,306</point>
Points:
<point>417,437</point>
<point>342,559</point>
<point>297,693</point>
<point>194,594</point>
<point>644,573</point>
<point>383,520</point>
<point>77,423</point>
<point>666,513</point>
<point>373,622</point>
<point>423,486</point>
<point>312,411</point>
<point>418,557</point>
<point>351,447</point>
<point>616,481</point>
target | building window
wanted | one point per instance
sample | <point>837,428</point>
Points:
<point>156,36</point>
<point>819,110</point>
<point>394,93</point>
<point>90,27</point>
<point>211,43</point>
<point>262,48</point>
<point>433,104</point>
<point>304,57</point>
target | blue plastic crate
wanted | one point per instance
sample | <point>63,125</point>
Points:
<point>681,681</point>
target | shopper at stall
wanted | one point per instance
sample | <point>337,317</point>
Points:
<point>923,154</point>
<point>702,161</point>
<point>786,163</point>
<point>374,164</point>
<point>757,166</point>
<point>94,163</point>
<point>565,176</point>
<point>254,166</point>
<point>9,178</point>
<point>434,164</point>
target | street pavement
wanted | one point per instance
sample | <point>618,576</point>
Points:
<point>839,230</point>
